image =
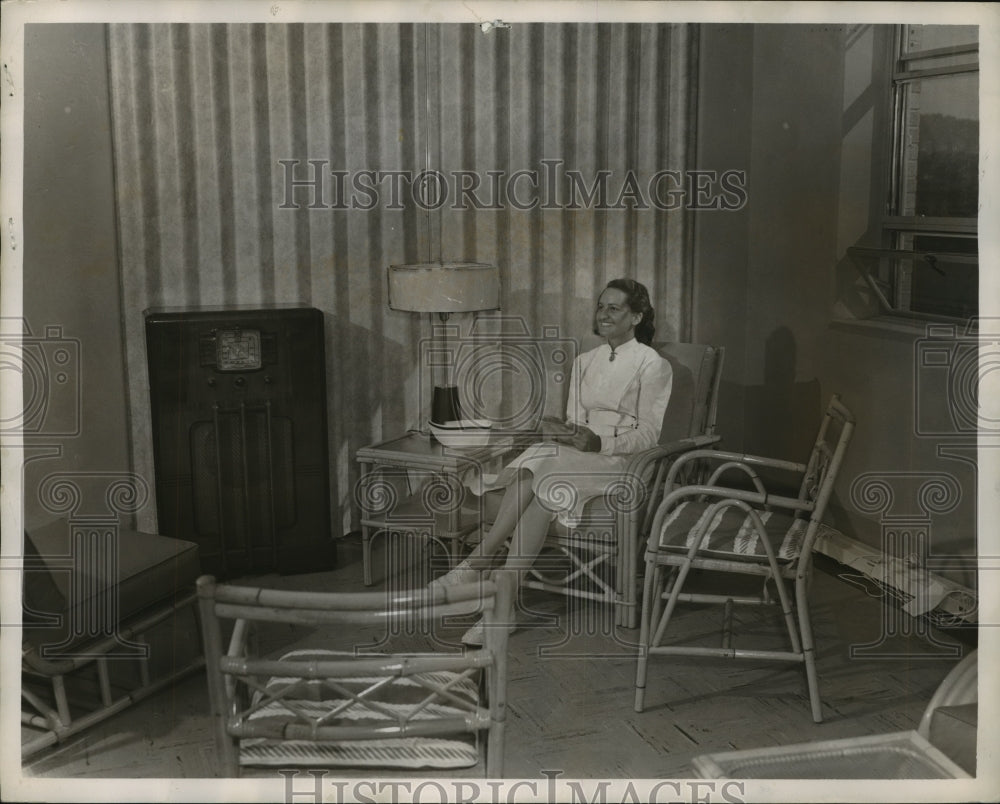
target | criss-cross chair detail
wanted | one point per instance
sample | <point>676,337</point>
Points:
<point>386,709</point>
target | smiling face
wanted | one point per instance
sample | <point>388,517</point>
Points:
<point>614,320</point>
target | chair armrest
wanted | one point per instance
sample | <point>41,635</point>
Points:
<point>638,467</point>
<point>638,462</point>
<point>751,497</point>
<point>722,492</point>
<point>740,459</point>
<point>639,472</point>
<point>87,652</point>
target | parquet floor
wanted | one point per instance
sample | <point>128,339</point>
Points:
<point>571,697</point>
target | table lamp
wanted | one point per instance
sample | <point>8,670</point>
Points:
<point>444,288</point>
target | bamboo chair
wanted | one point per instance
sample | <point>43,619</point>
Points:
<point>352,709</point>
<point>734,531</point>
<point>602,550</point>
<point>928,752</point>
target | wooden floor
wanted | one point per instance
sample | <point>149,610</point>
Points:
<point>571,698</point>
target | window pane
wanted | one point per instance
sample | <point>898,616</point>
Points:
<point>941,147</point>
<point>931,37</point>
<point>942,287</point>
<point>935,174</point>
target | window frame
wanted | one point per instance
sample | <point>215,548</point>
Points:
<point>884,268</point>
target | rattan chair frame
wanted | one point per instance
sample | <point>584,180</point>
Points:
<point>47,714</point>
<point>667,569</point>
<point>234,672</point>
<point>641,488</point>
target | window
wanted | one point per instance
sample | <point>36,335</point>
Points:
<point>928,265</point>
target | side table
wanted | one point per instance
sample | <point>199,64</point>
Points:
<point>435,509</point>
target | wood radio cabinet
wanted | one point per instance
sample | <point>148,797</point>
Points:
<point>238,402</point>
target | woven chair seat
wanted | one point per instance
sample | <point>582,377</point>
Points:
<point>408,752</point>
<point>731,532</point>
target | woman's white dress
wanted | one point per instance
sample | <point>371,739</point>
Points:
<point>620,400</point>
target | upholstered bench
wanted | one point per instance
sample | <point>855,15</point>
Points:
<point>92,646</point>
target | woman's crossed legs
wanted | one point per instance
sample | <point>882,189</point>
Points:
<point>523,520</point>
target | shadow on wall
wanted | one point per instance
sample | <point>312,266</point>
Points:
<point>782,415</point>
<point>366,374</point>
<point>854,298</point>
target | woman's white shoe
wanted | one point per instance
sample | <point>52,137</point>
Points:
<point>475,635</point>
<point>463,573</point>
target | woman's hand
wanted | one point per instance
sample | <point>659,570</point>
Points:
<point>555,429</point>
<point>584,439</point>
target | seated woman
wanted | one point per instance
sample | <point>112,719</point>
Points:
<point>618,393</point>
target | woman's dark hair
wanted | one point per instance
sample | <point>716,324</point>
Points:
<point>637,298</point>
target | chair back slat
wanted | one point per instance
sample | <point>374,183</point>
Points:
<point>318,616</point>
<point>372,602</point>
<point>835,432</point>
<point>363,664</point>
<point>834,436</point>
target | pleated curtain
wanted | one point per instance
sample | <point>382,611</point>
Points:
<point>245,157</point>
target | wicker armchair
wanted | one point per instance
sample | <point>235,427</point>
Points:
<point>351,708</point>
<point>735,532</point>
<point>611,532</point>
